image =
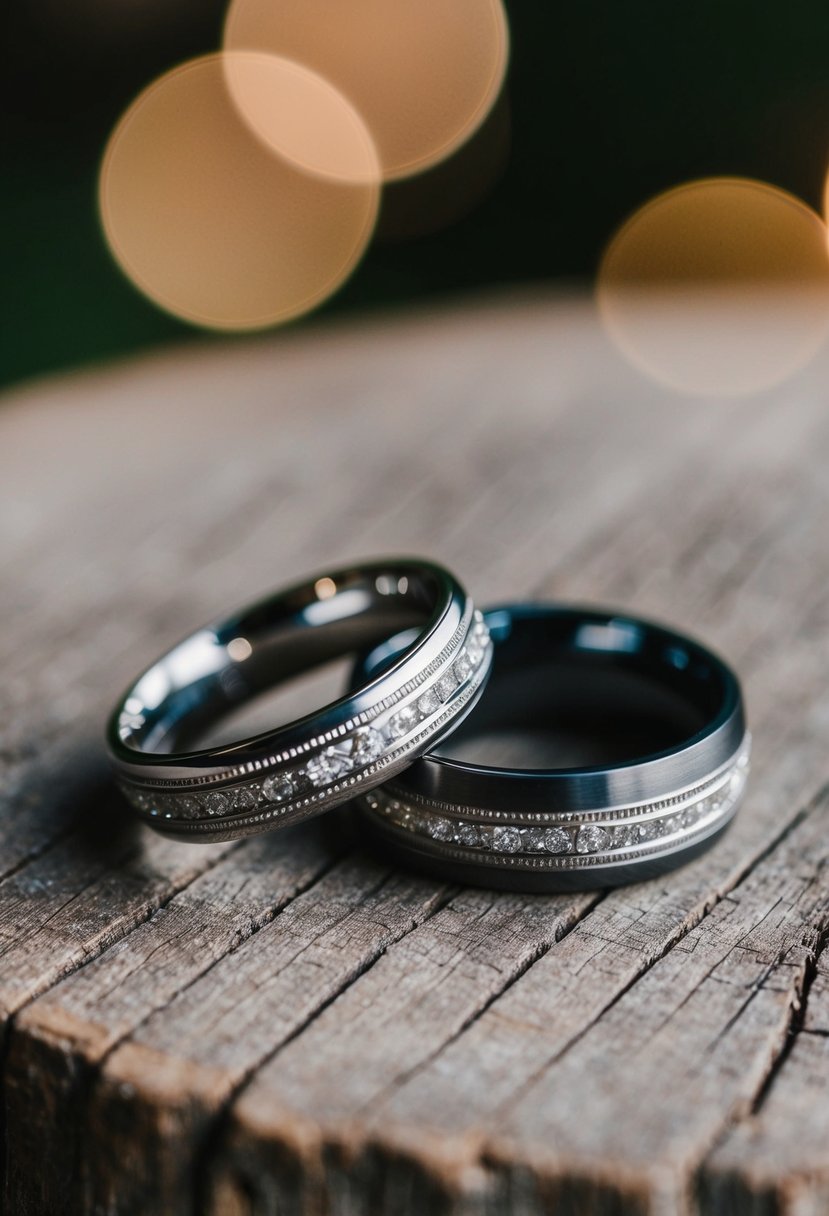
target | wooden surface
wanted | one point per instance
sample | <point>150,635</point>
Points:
<point>289,1025</point>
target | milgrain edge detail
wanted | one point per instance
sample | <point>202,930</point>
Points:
<point>177,805</point>
<point>571,840</point>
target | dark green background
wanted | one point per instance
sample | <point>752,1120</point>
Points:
<point>610,103</point>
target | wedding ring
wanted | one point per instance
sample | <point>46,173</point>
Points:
<point>651,761</point>
<point>290,773</point>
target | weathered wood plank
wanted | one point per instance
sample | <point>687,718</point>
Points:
<point>776,1159</point>
<point>425,988</point>
<point>615,1122</point>
<point>187,1058</point>
<point>81,896</point>
<point>444,1111</point>
<point>46,789</point>
<point>61,1038</point>
<point>554,470</point>
<point>693,1040</point>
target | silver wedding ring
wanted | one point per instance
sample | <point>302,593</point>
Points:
<point>326,758</point>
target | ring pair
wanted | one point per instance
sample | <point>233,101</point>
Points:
<point>651,746</point>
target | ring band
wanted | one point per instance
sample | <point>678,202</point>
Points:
<point>670,711</point>
<point>321,760</point>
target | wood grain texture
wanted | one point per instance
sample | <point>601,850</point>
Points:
<point>287,1025</point>
<point>776,1158</point>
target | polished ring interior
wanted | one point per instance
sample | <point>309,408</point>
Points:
<point>326,757</point>
<point>665,718</point>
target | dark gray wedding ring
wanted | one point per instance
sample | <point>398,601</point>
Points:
<point>325,758</point>
<point>661,769</point>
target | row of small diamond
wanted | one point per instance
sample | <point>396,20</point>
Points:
<point>562,840</point>
<point>353,752</point>
<point>366,718</point>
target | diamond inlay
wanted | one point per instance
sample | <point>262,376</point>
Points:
<point>445,686</point>
<point>506,840</point>
<point>558,840</point>
<point>279,787</point>
<point>244,795</point>
<point>462,667</point>
<point>244,799</point>
<point>469,835</point>
<point>428,702</point>
<point>591,839</point>
<point>440,829</point>
<point>363,747</point>
<point>217,803</point>
<point>327,767</point>
<point>402,722</point>
<point>643,829</point>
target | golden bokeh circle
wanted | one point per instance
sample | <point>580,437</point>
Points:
<point>207,221</point>
<point>718,287</point>
<point>424,74</point>
<point>301,117</point>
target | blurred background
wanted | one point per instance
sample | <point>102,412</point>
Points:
<point>603,107</point>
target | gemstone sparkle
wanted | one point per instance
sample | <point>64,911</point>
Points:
<point>363,747</point>
<point>440,829</point>
<point>532,839</point>
<point>469,835</point>
<point>462,667</point>
<point>428,702</point>
<point>402,722</point>
<point>244,799</point>
<point>591,839</point>
<point>216,803</point>
<point>279,787</point>
<point>557,840</point>
<point>445,687</point>
<point>506,840</point>
<point>327,767</point>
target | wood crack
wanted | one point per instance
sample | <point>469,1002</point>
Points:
<point>215,1130</point>
<point>684,930</point>
<point>735,1176</point>
<point>579,913</point>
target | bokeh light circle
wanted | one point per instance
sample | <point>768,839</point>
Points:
<point>826,200</point>
<point>301,117</point>
<point>207,221</point>
<point>718,287</point>
<point>423,74</point>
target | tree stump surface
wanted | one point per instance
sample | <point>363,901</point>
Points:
<point>289,1024</point>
